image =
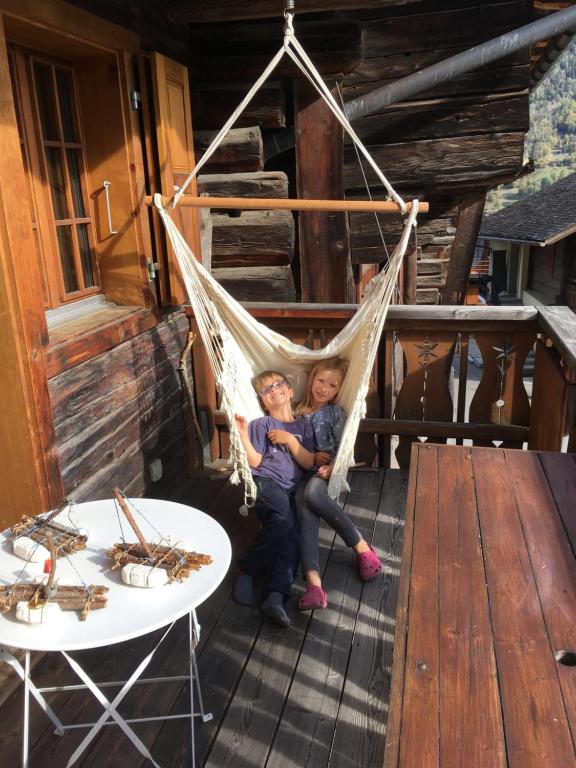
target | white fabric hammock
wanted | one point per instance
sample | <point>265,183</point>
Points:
<point>239,347</point>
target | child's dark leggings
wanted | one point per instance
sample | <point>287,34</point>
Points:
<point>275,551</point>
<point>315,503</point>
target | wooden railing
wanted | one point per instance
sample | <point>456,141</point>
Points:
<point>445,373</point>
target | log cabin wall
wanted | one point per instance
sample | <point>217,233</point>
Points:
<point>454,141</point>
<point>122,410</point>
<point>464,136</point>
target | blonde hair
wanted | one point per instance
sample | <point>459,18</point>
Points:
<point>336,365</point>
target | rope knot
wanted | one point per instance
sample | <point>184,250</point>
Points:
<point>288,26</point>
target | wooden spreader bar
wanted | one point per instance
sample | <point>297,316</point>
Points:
<point>287,203</point>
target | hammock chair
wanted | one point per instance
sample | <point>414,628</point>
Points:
<point>239,347</point>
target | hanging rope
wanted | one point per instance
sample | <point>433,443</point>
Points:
<point>294,50</point>
<point>238,347</point>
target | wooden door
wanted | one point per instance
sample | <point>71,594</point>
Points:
<point>170,149</point>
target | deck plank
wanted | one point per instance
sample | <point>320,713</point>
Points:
<point>394,720</point>
<point>305,733</point>
<point>562,479</point>
<point>535,726</point>
<point>361,725</point>
<point>420,732</point>
<point>221,666</point>
<point>469,734</point>
<point>253,674</point>
<point>552,564</point>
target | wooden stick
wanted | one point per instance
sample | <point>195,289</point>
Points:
<point>49,588</point>
<point>70,598</point>
<point>124,507</point>
<point>287,203</point>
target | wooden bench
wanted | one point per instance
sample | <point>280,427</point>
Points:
<point>485,639</point>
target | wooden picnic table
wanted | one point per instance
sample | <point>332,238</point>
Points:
<point>485,646</point>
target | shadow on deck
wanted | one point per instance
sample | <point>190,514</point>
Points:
<point>313,695</point>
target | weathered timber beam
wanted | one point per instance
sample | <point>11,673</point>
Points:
<point>257,238</point>
<point>240,150</point>
<point>462,256</point>
<point>239,10</point>
<point>214,105</point>
<point>335,47</point>
<point>438,118</point>
<point>449,30</point>
<point>478,56</point>
<point>430,164</point>
<point>324,242</point>
<point>260,184</point>
<point>291,204</point>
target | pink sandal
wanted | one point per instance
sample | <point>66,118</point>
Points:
<point>314,597</point>
<point>369,566</point>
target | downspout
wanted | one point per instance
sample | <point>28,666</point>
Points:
<point>492,50</point>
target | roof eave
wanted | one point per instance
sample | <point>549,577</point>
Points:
<point>541,243</point>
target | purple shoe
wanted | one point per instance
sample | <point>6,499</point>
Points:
<point>314,597</point>
<point>369,566</point>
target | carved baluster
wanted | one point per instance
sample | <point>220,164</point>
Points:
<point>501,397</point>
<point>425,393</point>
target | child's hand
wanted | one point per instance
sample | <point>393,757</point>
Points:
<point>241,422</point>
<point>280,436</point>
<point>321,458</point>
<point>325,471</point>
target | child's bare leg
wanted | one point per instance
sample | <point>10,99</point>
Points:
<point>313,579</point>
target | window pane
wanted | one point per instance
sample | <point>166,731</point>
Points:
<point>65,98</point>
<point>56,179</point>
<point>74,170</point>
<point>67,258</point>
<point>46,102</point>
<point>85,255</point>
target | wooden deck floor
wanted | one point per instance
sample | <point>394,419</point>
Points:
<point>313,695</point>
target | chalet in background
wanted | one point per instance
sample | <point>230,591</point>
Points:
<point>533,245</point>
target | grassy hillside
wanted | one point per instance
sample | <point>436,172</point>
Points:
<point>551,141</point>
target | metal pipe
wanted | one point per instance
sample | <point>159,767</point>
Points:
<point>480,55</point>
<point>492,50</point>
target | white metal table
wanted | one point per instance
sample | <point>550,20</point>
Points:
<point>131,612</point>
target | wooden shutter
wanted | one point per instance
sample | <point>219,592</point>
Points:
<point>172,143</point>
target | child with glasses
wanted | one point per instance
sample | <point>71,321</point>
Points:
<point>279,447</point>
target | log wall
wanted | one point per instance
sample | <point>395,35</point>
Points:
<point>251,251</point>
<point>117,412</point>
<point>464,135</point>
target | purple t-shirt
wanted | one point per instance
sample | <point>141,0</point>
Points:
<point>277,461</point>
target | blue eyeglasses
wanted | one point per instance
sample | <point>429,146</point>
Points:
<point>275,385</point>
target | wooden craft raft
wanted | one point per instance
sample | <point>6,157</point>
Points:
<point>66,540</point>
<point>177,562</point>
<point>83,598</point>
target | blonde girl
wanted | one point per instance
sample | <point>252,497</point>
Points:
<point>327,420</point>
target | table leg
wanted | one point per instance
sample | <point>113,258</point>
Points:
<point>8,658</point>
<point>110,707</point>
<point>193,637</point>
<point>26,710</point>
